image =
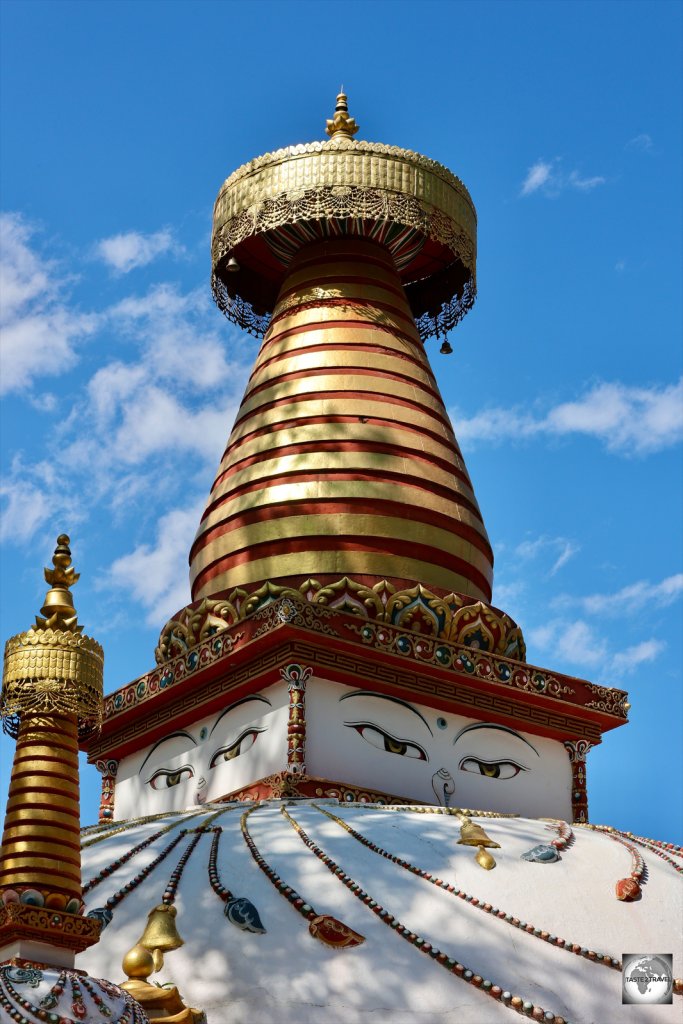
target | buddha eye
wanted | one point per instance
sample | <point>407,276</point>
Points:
<point>385,741</point>
<point>240,746</point>
<point>165,779</point>
<point>491,769</point>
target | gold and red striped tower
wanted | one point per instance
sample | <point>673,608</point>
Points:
<point>52,685</point>
<point>342,472</point>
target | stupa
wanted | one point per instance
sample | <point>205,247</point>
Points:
<point>343,794</point>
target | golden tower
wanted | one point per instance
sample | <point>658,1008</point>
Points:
<point>51,689</point>
<point>346,256</point>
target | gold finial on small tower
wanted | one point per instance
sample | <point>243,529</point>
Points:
<point>58,608</point>
<point>341,123</point>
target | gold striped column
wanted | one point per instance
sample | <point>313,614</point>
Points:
<point>342,460</point>
<point>40,853</point>
<point>51,687</point>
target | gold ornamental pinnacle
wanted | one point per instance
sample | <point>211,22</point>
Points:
<point>341,123</point>
<point>54,667</point>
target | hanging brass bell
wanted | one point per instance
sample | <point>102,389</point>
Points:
<point>160,934</point>
<point>58,600</point>
<point>472,834</point>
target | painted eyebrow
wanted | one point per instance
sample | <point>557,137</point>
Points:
<point>383,696</point>
<point>502,728</point>
<point>172,736</point>
<point>237,703</point>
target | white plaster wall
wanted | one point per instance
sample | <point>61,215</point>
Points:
<point>348,737</point>
<point>177,772</point>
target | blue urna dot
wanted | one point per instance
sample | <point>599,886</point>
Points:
<point>203,733</point>
<point>442,723</point>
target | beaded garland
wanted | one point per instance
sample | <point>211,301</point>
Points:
<point>626,889</point>
<point>599,958</point>
<point>22,1011</point>
<point>321,926</point>
<point>649,844</point>
<point>427,809</point>
<point>111,831</point>
<point>515,1002</point>
<point>105,913</point>
<point>239,910</point>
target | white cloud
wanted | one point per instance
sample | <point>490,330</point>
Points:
<point>549,178</point>
<point>626,420</point>
<point>38,332</point>
<point>631,598</point>
<point>561,549</point>
<point>642,142</point>
<point>177,393</point>
<point>575,642</point>
<point>124,252</point>
<point>24,509</point>
<point>582,646</point>
<point>156,575</point>
<point>631,658</point>
<point>585,184</point>
<point>538,175</point>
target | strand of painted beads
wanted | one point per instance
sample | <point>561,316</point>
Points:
<point>670,847</point>
<point>565,836</point>
<point>626,889</point>
<point>649,845</point>
<point>428,809</point>
<point>328,930</point>
<point>515,1002</point>
<point>95,996</point>
<point>239,910</point>
<point>293,897</point>
<point>135,822</point>
<point>132,1013</point>
<point>120,861</point>
<point>49,1001</point>
<point>105,913</point>
<point>570,947</point>
<point>172,886</point>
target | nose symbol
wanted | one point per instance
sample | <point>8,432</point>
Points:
<point>200,795</point>
<point>443,785</point>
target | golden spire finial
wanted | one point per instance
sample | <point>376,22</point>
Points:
<point>58,609</point>
<point>341,123</point>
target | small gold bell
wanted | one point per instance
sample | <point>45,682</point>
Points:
<point>472,834</point>
<point>160,934</point>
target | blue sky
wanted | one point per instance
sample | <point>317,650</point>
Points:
<point>120,379</point>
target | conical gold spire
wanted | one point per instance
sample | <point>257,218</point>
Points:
<point>341,123</point>
<point>52,684</point>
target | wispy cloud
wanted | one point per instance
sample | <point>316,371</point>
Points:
<point>538,175</point>
<point>39,333</point>
<point>581,646</point>
<point>550,179</point>
<point>642,142</point>
<point>575,642</point>
<point>170,389</point>
<point>626,420</point>
<point>560,548</point>
<point>585,184</point>
<point>125,252</point>
<point>629,599</point>
<point>155,575</point>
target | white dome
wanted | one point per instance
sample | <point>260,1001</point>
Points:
<point>285,974</point>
